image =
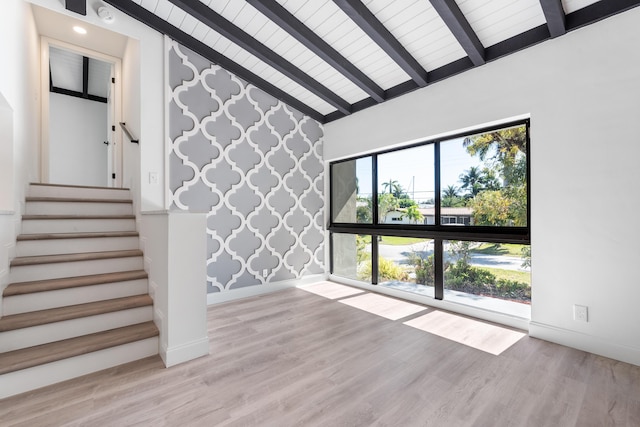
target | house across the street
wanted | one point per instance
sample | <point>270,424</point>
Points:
<point>460,216</point>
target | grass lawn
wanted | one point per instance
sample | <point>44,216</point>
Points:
<point>499,249</point>
<point>520,276</point>
<point>397,241</point>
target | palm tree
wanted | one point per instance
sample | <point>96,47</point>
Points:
<point>386,203</point>
<point>413,214</point>
<point>507,143</point>
<point>399,192</point>
<point>394,187</point>
<point>505,148</point>
<point>450,192</point>
<point>471,181</point>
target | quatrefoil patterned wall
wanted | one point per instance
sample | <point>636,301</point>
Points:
<point>254,165</point>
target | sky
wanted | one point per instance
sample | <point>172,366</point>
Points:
<point>413,168</point>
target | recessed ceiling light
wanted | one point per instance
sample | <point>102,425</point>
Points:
<point>79,30</point>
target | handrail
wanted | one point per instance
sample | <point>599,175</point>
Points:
<point>123,125</point>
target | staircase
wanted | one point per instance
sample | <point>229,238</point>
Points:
<point>78,298</point>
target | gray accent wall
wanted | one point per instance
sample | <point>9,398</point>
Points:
<point>254,165</point>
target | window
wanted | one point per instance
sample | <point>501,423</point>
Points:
<point>449,219</point>
<point>351,191</point>
<point>484,176</point>
<point>405,185</point>
<point>440,218</point>
<point>494,270</point>
<point>351,256</point>
<point>407,264</point>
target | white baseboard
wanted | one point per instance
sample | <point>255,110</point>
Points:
<point>252,291</point>
<point>4,278</point>
<point>153,288</point>
<point>585,342</point>
<point>183,353</point>
<point>11,249</point>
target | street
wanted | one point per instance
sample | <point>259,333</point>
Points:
<point>399,253</point>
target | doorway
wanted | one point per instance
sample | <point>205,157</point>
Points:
<point>80,108</point>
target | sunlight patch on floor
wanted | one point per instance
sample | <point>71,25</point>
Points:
<point>473,333</point>
<point>331,290</point>
<point>389,308</point>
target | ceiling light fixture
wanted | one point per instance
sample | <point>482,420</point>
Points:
<point>79,30</point>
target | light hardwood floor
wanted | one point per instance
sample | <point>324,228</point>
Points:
<point>296,358</point>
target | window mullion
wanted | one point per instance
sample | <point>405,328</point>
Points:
<point>437,183</point>
<point>374,259</point>
<point>374,215</point>
<point>374,190</point>
<point>438,265</point>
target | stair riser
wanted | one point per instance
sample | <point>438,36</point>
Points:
<point>43,334</point>
<point>36,226</point>
<point>80,193</point>
<point>74,246</point>
<point>78,208</point>
<point>60,298</point>
<point>28,273</point>
<point>25,380</point>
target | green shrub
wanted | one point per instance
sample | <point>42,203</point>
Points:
<point>387,271</point>
<point>466,278</point>
<point>423,268</point>
<point>513,289</point>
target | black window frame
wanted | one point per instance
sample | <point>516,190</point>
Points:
<point>439,232</point>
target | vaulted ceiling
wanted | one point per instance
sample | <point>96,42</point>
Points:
<point>331,58</point>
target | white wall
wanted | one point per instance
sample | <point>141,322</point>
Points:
<point>6,159</point>
<point>19,84</point>
<point>19,88</point>
<point>175,251</point>
<point>581,91</point>
<point>77,130</point>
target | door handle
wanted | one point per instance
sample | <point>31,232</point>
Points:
<point>105,142</point>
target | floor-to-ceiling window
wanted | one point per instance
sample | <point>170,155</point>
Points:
<point>446,218</point>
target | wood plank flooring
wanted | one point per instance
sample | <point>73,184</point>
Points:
<point>296,358</point>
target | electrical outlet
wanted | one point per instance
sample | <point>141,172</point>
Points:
<point>153,177</point>
<point>265,272</point>
<point>580,313</point>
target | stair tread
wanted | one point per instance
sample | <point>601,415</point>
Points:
<point>43,184</point>
<point>75,217</point>
<point>76,199</point>
<point>52,315</point>
<point>46,353</point>
<point>85,256</point>
<point>86,235</point>
<point>22,288</point>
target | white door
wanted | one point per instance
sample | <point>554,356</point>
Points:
<point>110,141</point>
<point>80,145</point>
<point>114,146</point>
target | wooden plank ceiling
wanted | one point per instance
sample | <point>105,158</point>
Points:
<point>331,58</point>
